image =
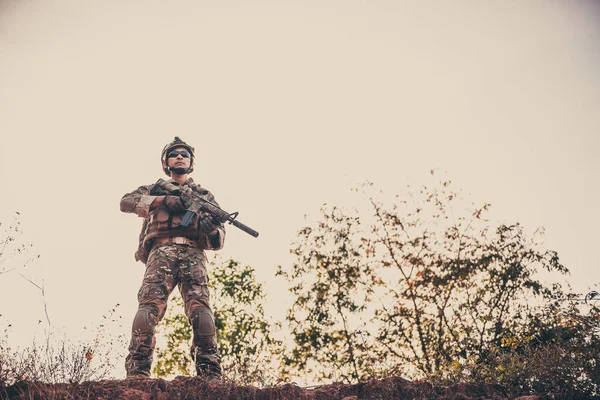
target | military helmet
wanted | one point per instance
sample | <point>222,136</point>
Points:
<point>177,142</point>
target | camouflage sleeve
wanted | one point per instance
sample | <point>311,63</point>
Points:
<point>138,201</point>
<point>216,241</point>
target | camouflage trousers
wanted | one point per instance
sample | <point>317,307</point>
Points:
<point>171,265</point>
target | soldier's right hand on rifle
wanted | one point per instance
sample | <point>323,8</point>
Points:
<point>174,204</point>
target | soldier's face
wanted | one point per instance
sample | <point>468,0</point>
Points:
<point>179,157</point>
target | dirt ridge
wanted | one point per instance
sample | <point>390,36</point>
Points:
<point>184,388</point>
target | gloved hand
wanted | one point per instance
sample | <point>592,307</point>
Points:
<point>206,225</point>
<point>174,204</point>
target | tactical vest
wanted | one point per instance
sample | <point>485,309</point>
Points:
<point>163,223</point>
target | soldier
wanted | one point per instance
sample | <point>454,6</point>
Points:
<point>174,255</point>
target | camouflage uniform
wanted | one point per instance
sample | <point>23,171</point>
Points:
<point>169,265</point>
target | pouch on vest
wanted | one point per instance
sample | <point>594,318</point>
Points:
<point>175,220</point>
<point>162,217</point>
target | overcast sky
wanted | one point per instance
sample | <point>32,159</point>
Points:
<point>289,104</point>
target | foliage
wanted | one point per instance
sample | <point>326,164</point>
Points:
<point>244,334</point>
<point>61,360</point>
<point>411,286</point>
<point>558,354</point>
<point>332,282</point>
<point>53,359</point>
<point>175,359</point>
<point>10,248</point>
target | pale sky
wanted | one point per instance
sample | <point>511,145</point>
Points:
<point>289,104</point>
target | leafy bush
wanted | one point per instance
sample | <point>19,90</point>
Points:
<point>557,352</point>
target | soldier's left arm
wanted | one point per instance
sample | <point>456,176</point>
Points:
<point>217,240</point>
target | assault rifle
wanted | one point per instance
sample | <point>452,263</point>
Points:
<point>195,204</point>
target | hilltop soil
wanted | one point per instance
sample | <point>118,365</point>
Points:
<point>183,388</point>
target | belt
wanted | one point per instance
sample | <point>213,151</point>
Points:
<point>177,240</point>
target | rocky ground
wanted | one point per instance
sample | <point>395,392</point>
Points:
<point>182,388</point>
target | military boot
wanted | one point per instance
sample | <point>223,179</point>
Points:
<point>137,369</point>
<point>208,363</point>
<point>210,372</point>
<point>139,360</point>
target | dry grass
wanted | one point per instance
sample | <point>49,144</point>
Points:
<point>57,359</point>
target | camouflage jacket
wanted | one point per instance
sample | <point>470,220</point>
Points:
<point>160,222</point>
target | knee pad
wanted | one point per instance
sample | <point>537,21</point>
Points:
<point>145,320</point>
<point>203,325</point>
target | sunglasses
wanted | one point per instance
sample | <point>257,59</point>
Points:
<point>183,153</point>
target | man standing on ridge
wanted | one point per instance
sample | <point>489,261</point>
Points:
<point>174,256</point>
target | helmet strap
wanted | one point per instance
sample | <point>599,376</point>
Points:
<point>179,171</point>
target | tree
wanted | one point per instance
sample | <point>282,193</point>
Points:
<point>244,334</point>
<point>411,287</point>
<point>332,282</point>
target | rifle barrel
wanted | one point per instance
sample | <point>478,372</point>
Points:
<point>245,228</point>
